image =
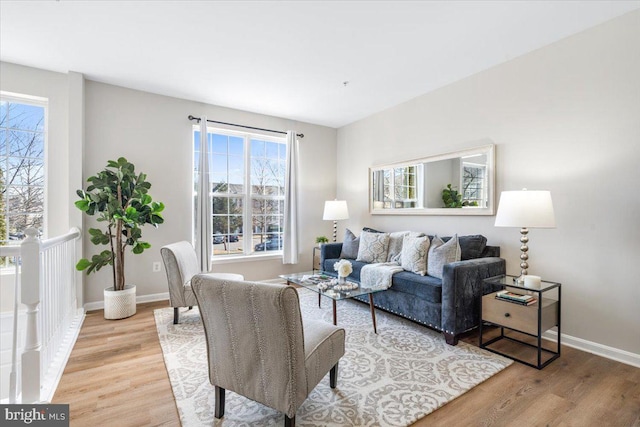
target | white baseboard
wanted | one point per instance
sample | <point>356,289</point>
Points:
<point>612,353</point>
<point>99,305</point>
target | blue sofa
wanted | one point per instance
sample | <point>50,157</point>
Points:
<point>450,305</point>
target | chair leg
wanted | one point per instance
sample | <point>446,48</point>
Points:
<point>289,422</point>
<point>219,410</point>
<point>176,316</point>
<point>333,376</point>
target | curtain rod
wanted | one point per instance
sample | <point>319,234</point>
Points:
<point>300,135</point>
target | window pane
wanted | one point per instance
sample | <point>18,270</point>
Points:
<point>236,146</point>
<point>26,117</point>
<point>219,183</point>
<point>3,142</point>
<point>257,148</point>
<point>272,149</point>
<point>220,206</point>
<point>219,143</point>
<point>282,151</point>
<point>26,144</point>
<point>219,164</point>
<point>25,172</point>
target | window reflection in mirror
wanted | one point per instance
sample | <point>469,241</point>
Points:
<point>416,186</point>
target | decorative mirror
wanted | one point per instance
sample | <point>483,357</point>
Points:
<point>458,183</point>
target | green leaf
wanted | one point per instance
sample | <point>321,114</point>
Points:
<point>83,205</point>
<point>83,264</point>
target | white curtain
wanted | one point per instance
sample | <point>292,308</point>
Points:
<point>290,240</point>
<point>203,207</point>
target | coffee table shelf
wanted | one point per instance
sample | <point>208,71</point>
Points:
<point>303,279</point>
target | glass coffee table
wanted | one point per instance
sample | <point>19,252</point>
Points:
<point>323,285</point>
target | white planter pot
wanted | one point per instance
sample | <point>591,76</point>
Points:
<point>120,304</point>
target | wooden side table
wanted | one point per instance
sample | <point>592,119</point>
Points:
<point>530,320</point>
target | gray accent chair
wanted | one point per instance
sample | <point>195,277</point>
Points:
<point>181,264</point>
<point>259,347</point>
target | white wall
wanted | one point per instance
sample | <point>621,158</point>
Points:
<point>153,132</point>
<point>565,118</point>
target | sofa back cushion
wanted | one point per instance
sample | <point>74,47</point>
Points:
<point>471,246</point>
<point>441,253</point>
<point>374,247</point>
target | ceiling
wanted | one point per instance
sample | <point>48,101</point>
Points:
<point>288,59</point>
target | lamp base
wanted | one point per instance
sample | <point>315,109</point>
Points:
<point>335,230</point>
<point>524,265</point>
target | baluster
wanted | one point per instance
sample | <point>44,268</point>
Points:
<point>30,296</point>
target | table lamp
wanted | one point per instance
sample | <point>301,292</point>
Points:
<point>525,209</point>
<point>335,210</point>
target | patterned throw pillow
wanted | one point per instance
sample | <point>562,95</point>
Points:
<point>373,247</point>
<point>414,254</point>
<point>395,245</point>
<point>350,245</point>
<point>441,253</point>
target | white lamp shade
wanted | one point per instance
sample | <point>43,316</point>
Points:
<point>530,209</point>
<point>335,210</point>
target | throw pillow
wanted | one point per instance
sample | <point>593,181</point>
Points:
<point>395,245</point>
<point>373,247</point>
<point>471,246</point>
<point>414,254</point>
<point>350,245</point>
<point>441,253</point>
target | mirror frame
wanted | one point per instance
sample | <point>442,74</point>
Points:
<point>489,150</point>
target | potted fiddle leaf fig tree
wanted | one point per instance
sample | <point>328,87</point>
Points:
<point>120,199</point>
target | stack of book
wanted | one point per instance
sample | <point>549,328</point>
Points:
<point>515,298</point>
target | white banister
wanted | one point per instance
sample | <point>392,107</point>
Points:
<point>46,280</point>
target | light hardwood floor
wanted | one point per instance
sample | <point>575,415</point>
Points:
<point>116,376</point>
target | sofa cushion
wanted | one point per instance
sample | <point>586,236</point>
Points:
<point>373,247</point>
<point>471,246</point>
<point>428,288</point>
<point>350,245</point>
<point>413,256</point>
<point>441,253</point>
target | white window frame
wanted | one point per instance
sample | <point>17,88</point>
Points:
<point>248,253</point>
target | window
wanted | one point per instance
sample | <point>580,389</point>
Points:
<point>247,173</point>
<point>474,184</point>
<point>22,166</point>
<point>400,189</point>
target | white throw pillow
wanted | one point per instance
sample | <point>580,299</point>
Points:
<point>373,247</point>
<point>441,253</point>
<point>414,254</point>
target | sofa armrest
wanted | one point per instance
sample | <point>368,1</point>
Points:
<point>329,251</point>
<point>462,289</point>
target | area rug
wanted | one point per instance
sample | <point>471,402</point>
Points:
<point>393,378</point>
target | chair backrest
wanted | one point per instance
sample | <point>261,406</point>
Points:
<point>255,342</point>
<point>181,264</point>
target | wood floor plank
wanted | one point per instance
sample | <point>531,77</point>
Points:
<point>116,376</point>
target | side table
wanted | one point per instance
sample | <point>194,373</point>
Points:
<point>316,258</point>
<point>530,320</point>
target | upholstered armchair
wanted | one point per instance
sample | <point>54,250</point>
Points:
<point>181,264</point>
<point>259,347</point>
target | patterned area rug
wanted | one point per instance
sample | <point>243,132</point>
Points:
<point>391,379</point>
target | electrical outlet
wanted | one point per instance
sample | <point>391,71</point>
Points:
<point>156,267</point>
